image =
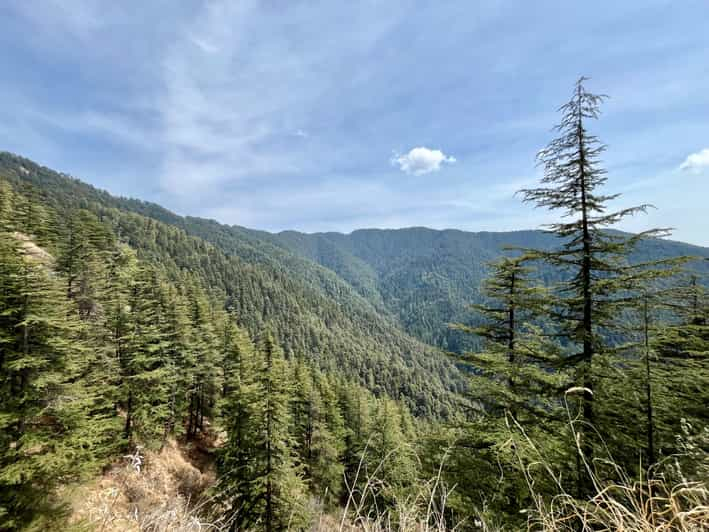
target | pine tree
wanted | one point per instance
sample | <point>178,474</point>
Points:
<point>513,380</point>
<point>204,386</point>
<point>318,430</point>
<point>40,358</point>
<point>512,373</point>
<point>83,247</point>
<point>328,445</point>
<point>236,351</point>
<point>279,480</point>
<point>175,352</point>
<point>32,217</point>
<point>356,412</point>
<point>146,369</point>
<point>236,461</point>
<point>592,257</point>
<point>390,457</point>
<point>681,349</point>
<point>305,409</point>
<point>114,327</point>
<point>265,487</point>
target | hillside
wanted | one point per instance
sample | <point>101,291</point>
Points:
<point>314,313</point>
<point>428,278</point>
<point>354,267</point>
<point>133,329</point>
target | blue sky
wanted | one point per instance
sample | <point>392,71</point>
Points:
<point>302,115</point>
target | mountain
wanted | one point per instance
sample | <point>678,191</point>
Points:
<point>372,305</point>
<point>427,278</point>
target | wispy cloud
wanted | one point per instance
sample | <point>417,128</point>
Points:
<point>233,104</point>
<point>80,19</point>
<point>204,45</point>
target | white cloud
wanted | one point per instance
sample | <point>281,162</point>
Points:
<point>696,162</point>
<point>421,160</point>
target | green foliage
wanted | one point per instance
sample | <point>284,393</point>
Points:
<point>630,367</point>
<point>138,350</point>
<point>679,362</point>
<point>52,420</point>
<point>514,382</point>
<point>260,480</point>
<point>513,371</point>
<point>328,443</point>
<point>589,301</point>
<point>238,414</point>
<point>426,279</point>
<point>144,368</point>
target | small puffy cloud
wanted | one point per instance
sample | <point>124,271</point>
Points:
<point>419,161</point>
<point>696,162</point>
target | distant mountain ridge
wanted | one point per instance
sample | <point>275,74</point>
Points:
<point>427,278</point>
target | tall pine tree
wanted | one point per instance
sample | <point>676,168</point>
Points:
<point>591,256</point>
<point>264,487</point>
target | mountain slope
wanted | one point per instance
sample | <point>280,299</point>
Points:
<point>313,312</point>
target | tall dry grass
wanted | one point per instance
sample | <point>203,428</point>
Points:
<point>161,492</point>
<point>424,510</point>
<point>665,500</point>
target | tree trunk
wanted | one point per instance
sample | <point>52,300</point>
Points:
<point>269,465</point>
<point>511,339</point>
<point>190,422</point>
<point>587,331</point>
<point>648,388</point>
<point>129,414</point>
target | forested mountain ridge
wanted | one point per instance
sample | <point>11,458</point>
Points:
<point>315,314</point>
<point>103,352</point>
<point>429,278</point>
<point>126,328</point>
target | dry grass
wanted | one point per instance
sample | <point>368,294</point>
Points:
<point>32,250</point>
<point>152,492</point>
<point>638,507</point>
<point>666,501</point>
<point>422,511</point>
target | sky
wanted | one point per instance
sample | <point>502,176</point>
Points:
<point>333,115</point>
